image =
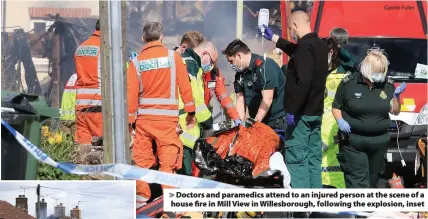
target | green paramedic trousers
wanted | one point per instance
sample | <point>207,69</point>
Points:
<point>303,152</point>
<point>186,168</point>
<point>362,161</point>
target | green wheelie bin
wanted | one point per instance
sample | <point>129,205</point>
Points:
<point>26,114</point>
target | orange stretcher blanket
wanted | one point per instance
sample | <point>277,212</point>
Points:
<point>256,143</point>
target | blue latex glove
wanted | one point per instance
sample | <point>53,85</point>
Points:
<point>281,134</point>
<point>268,32</point>
<point>290,120</point>
<point>344,126</point>
<point>238,122</point>
<point>133,55</point>
<point>399,89</point>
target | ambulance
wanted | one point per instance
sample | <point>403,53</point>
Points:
<point>400,28</point>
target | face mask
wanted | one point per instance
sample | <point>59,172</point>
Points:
<point>207,67</point>
<point>236,68</point>
<point>377,77</point>
<point>329,58</point>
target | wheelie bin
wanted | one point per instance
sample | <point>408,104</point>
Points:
<point>25,113</point>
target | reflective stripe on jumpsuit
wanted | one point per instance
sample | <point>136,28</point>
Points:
<point>157,115</point>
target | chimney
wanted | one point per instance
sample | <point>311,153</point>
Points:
<point>59,211</point>
<point>22,203</point>
<point>43,213</point>
<point>76,213</point>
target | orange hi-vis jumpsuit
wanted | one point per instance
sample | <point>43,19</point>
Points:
<point>88,96</point>
<point>214,81</point>
<point>161,75</point>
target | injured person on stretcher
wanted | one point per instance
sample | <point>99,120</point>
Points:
<point>248,156</point>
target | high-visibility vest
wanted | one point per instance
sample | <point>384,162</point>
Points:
<point>331,173</point>
<point>189,137</point>
<point>88,69</point>
<point>68,103</point>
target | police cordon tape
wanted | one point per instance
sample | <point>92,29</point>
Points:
<point>118,170</point>
<point>125,171</point>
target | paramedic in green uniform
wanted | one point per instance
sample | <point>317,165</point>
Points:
<point>361,107</point>
<point>259,85</point>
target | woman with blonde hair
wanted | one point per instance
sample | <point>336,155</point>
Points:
<point>361,108</point>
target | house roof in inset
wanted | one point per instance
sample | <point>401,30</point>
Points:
<point>8,211</point>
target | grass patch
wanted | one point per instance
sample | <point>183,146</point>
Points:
<point>61,148</point>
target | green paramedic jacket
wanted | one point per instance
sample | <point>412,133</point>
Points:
<point>68,103</point>
<point>203,114</point>
<point>347,61</point>
<point>331,173</point>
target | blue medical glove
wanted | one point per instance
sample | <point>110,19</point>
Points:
<point>344,126</point>
<point>281,134</point>
<point>399,89</point>
<point>290,120</point>
<point>268,32</point>
<point>238,122</point>
<point>133,55</point>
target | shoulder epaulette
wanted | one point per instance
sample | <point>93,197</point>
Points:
<point>258,62</point>
<point>188,59</point>
<point>347,78</point>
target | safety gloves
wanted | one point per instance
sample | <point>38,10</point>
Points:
<point>268,34</point>
<point>238,122</point>
<point>289,119</point>
<point>344,126</point>
<point>133,55</point>
<point>399,90</point>
<point>281,134</point>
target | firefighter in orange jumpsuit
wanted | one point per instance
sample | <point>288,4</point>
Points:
<point>88,85</point>
<point>160,74</point>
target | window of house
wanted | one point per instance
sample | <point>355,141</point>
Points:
<point>39,27</point>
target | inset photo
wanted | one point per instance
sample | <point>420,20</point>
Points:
<point>67,199</point>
